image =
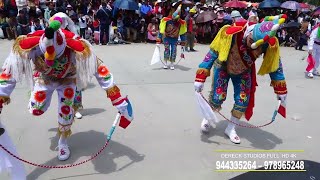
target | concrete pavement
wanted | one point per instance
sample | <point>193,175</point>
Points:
<point>164,141</point>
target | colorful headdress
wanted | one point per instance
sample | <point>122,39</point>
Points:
<point>53,41</point>
<point>176,14</point>
<point>265,33</point>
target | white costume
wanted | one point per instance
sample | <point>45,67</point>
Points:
<point>314,46</point>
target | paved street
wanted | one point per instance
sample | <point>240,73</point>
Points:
<point>164,141</point>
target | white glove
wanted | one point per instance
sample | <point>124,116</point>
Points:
<point>198,86</point>
<point>122,107</point>
<point>282,97</point>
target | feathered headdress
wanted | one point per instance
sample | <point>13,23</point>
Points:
<point>265,33</point>
<point>53,41</point>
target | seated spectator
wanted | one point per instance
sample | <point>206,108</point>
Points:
<point>42,20</point>
<point>116,38</point>
<point>153,30</point>
<point>120,26</point>
<point>36,26</point>
<point>3,25</point>
<point>23,24</point>
<point>89,35</point>
<point>12,28</point>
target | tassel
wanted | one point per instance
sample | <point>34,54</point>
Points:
<point>204,71</point>
<point>222,43</point>
<point>113,91</point>
<point>271,59</point>
<point>64,134</point>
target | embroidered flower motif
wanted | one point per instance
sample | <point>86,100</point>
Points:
<point>78,98</point>
<point>62,152</point>
<point>243,95</point>
<point>222,96</point>
<point>37,112</point>
<point>219,90</point>
<point>40,96</point>
<point>68,93</point>
<point>103,71</point>
<point>65,110</point>
<point>4,76</point>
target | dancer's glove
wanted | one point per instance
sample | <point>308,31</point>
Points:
<point>122,107</point>
<point>198,86</point>
<point>282,97</point>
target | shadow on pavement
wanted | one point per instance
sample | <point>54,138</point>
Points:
<point>312,173</point>
<point>91,111</point>
<point>180,67</point>
<point>256,136</point>
<point>87,144</point>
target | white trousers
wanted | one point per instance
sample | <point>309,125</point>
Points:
<point>40,101</point>
<point>316,56</point>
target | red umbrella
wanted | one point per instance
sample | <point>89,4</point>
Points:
<point>304,6</point>
<point>235,4</point>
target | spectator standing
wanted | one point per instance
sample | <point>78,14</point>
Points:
<point>191,29</point>
<point>104,16</point>
<point>82,25</point>
<point>142,29</point>
<point>303,38</point>
<point>145,9</point>
<point>11,7</point>
<point>70,12</point>
<point>22,5</point>
<point>48,12</point>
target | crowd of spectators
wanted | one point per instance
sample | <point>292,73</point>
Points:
<point>102,23</point>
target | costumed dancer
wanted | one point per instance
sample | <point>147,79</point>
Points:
<point>314,49</point>
<point>233,54</point>
<point>56,59</point>
<point>9,164</point>
<point>171,28</point>
<point>69,25</point>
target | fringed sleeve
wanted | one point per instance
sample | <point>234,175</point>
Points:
<point>86,62</point>
<point>16,67</point>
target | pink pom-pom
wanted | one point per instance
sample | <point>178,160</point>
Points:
<point>58,19</point>
<point>49,62</point>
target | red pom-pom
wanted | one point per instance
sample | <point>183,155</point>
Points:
<point>50,49</point>
<point>284,16</point>
<point>272,41</point>
<point>266,38</point>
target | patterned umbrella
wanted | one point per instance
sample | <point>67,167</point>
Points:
<point>316,12</point>
<point>126,4</point>
<point>235,4</point>
<point>292,5</point>
<point>269,4</point>
<point>206,16</point>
